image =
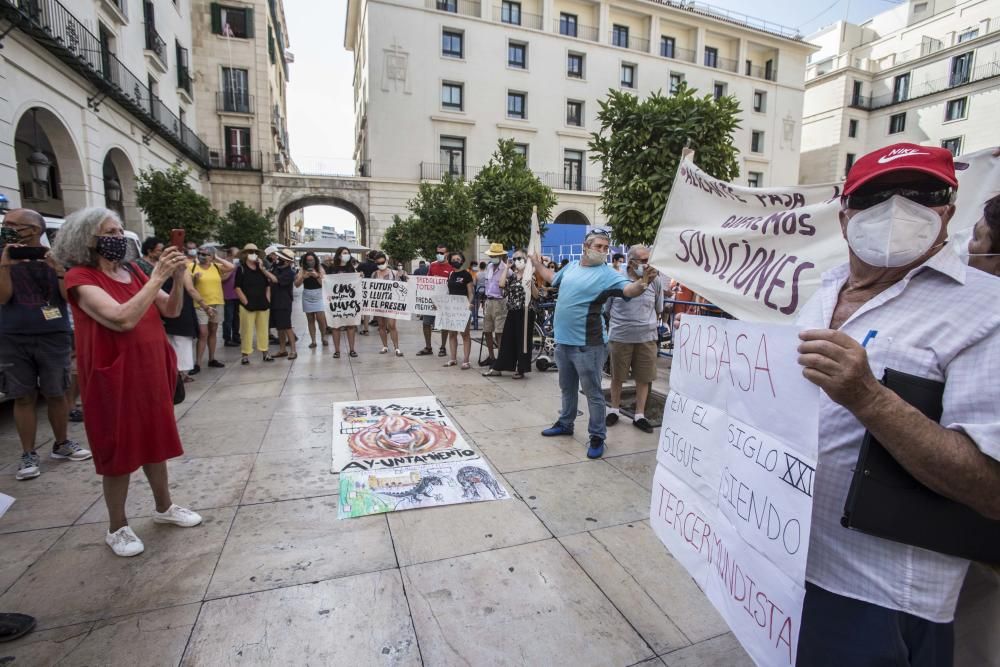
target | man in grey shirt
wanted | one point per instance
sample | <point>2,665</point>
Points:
<point>633,340</point>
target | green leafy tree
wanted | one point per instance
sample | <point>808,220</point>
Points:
<point>243,225</point>
<point>400,240</point>
<point>444,215</point>
<point>639,147</point>
<point>503,194</point>
<point>169,202</point>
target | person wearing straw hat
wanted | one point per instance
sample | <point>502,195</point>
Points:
<point>495,310</point>
<point>253,287</point>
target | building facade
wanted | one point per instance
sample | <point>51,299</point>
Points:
<point>91,92</point>
<point>924,72</point>
<point>438,82</point>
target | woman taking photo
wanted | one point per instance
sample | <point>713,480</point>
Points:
<point>515,344</point>
<point>344,263</point>
<point>386,325</point>
<point>253,287</point>
<point>460,283</point>
<point>310,279</point>
<point>127,369</point>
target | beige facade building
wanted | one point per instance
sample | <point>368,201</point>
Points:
<point>924,72</point>
<point>91,92</point>
<point>438,82</point>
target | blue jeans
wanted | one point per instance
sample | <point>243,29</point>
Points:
<point>231,321</point>
<point>581,365</point>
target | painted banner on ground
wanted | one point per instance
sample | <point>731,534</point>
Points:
<point>386,298</point>
<point>424,289</point>
<point>429,485</point>
<point>345,299</point>
<point>758,253</point>
<point>452,312</point>
<point>387,433</point>
<point>732,493</point>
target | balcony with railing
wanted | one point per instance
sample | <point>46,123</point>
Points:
<point>628,42</point>
<point>730,16</point>
<point>766,73</point>
<point>589,33</point>
<point>434,171</point>
<point>463,7</point>
<point>238,159</point>
<point>234,101</point>
<point>717,62</point>
<point>184,80</point>
<point>118,9</point>
<point>925,88</point>
<point>156,47</point>
<point>677,53</point>
<point>55,28</point>
<point>511,17</point>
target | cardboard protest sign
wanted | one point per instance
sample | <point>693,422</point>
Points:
<point>452,312</point>
<point>345,300</point>
<point>392,432</point>
<point>732,493</point>
<point>394,489</point>
<point>759,253</point>
<point>386,298</point>
<point>424,289</point>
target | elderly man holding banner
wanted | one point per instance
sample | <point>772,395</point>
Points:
<point>580,335</point>
<point>906,303</point>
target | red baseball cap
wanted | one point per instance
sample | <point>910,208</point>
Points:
<point>936,162</point>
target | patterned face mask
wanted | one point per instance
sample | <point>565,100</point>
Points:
<point>112,248</point>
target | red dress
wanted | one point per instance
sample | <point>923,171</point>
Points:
<point>127,381</point>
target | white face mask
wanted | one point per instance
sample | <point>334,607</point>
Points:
<point>382,267</point>
<point>640,269</point>
<point>440,257</point>
<point>494,260</point>
<point>251,258</point>
<point>345,257</point>
<point>894,233</point>
<point>595,256</point>
<point>519,262</point>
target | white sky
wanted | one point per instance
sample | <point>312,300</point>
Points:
<point>321,93</point>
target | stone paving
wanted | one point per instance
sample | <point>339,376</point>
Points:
<point>566,573</point>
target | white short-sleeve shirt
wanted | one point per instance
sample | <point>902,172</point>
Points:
<point>939,322</point>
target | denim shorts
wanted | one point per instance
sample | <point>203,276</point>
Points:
<point>39,362</point>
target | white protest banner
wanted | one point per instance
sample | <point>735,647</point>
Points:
<point>345,300</point>
<point>732,493</point>
<point>5,503</point>
<point>452,312</point>
<point>386,298</point>
<point>424,288</point>
<point>758,253</point>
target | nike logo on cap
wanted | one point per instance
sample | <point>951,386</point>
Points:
<point>898,153</point>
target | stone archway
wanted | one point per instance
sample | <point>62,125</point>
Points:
<point>571,216</point>
<point>117,165</point>
<point>322,200</point>
<point>39,130</point>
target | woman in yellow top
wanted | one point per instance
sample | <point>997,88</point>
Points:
<point>208,273</point>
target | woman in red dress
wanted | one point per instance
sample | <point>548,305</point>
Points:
<point>127,369</point>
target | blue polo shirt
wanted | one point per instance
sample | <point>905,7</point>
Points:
<point>582,293</point>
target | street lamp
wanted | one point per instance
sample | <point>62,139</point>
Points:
<point>112,190</point>
<point>39,161</point>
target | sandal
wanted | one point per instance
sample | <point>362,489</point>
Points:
<point>466,365</point>
<point>245,360</point>
<point>451,363</point>
<point>293,356</point>
<point>399,353</point>
<point>325,344</point>
<point>442,353</point>
<point>383,350</point>
<point>352,353</point>
<point>424,352</point>
<point>280,355</point>
<point>492,374</point>
<point>312,346</point>
<point>188,378</point>
<point>267,357</point>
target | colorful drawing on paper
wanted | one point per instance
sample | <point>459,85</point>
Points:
<point>394,432</point>
<point>365,492</point>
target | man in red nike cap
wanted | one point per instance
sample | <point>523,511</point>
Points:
<point>904,301</point>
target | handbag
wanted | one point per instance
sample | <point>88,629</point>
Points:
<point>179,392</point>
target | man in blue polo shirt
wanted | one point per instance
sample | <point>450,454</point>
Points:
<point>581,339</point>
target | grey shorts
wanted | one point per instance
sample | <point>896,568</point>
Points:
<point>428,320</point>
<point>35,363</point>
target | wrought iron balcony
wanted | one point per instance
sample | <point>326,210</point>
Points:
<point>156,44</point>
<point>721,63</point>
<point>677,53</point>
<point>589,33</point>
<point>234,101</point>
<point>523,19</point>
<point>433,171</point>
<point>983,72</point>
<point>238,159</point>
<point>628,42</point>
<point>55,28</point>
<point>184,79</point>
<point>463,7</point>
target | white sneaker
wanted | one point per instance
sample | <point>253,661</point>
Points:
<point>124,542</point>
<point>28,466</point>
<point>70,450</point>
<point>178,516</point>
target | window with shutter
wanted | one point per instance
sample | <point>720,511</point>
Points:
<point>216,19</point>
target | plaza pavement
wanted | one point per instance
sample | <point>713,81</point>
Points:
<point>566,573</point>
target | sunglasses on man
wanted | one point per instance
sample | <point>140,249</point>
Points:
<point>929,198</point>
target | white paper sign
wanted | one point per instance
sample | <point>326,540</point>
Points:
<point>386,298</point>
<point>732,493</point>
<point>5,503</point>
<point>344,304</point>
<point>452,312</point>
<point>424,289</point>
<point>759,253</point>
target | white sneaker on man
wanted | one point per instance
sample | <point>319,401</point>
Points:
<point>124,542</point>
<point>178,516</point>
<point>70,450</point>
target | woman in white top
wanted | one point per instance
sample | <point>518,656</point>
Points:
<point>386,325</point>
